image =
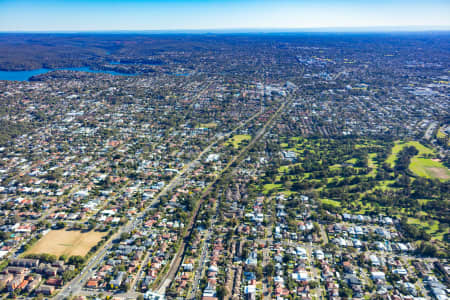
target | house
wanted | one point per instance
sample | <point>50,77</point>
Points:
<point>346,217</point>
<point>15,282</point>
<point>252,259</point>
<point>92,284</point>
<point>348,267</point>
<point>33,283</point>
<point>45,289</point>
<point>153,296</point>
<point>210,291</point>
<point>22,285</point>
<point>54,282</point>
<point>250,291</point>
<point>187,267</point>
<point>402,247</point>
<point>383,233</point>
<point>289,155</point>
<point>117,282</point>
<point>376,275</point>
<point>22,262</point>
<point>380,246</point>
<point>374,260</point>
<point>400,271</point>
<point>301,276</point>
<point>352,280</point>
<point>319,254</point>
<point>50,271</point>
<point>212,157</point>
<point>301,253</point>
<point>5,279</point>
<point>16,270</point>
<point>388,221</point>
<point>357,243</point>
<point>358,230</point>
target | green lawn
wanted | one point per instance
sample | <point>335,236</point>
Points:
<point>440,134</point>
<point>424,167</point>
<point>207,125</point>
<point>270,186</point>
<point>432,230</point>
<point>284,169</point>
<point>335,167</point>
<point>238,139</point>
<point>372,164</point>
<point>288,193</point>
<point>368,207</point>
<point>428,168</point>
<point>297,138</point>
<point>331,202</point>
<point>385,184</point>
<point>424,201</point>
<point>399,145</point>
<point>351,161</point>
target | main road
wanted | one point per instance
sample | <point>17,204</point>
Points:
<point>178,257</point>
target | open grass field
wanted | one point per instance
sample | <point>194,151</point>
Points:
<point>271,186</point>
<point>440,134</point>
<point>429,168</point>
<point>424,167</point>
<point>331,202</point>
<point>68,242</point>
<point>400,145</point>
<point>285,169</point>
<point>351,161</point>
<point>207,125</point>
<point>238,139</point>
<point>432,229</point>
<point>372,165</point>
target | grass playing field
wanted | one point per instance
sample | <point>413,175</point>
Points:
<point>68,242</point>
<point>429,168</point>
<point>238,139</point>
<point>400,145</point>
<point>424,167</point>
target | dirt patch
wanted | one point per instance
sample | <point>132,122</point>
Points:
<point>440,173</point>
<point>68,242</point>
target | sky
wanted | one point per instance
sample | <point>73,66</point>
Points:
<point>114,15</point>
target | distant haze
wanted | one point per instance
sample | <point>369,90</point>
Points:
<point>183,15</point>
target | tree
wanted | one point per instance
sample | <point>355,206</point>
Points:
<point>69,275</point>
<point>345,291</point>
<point>269,269</point>
<point>221,292</point>
<point>126,287</point>
<point>76,260</point>
<point>60,225</point>
<point>287,257</point>
<point>427,249</point>
<point>259,272</point>
<point>4,235</point>
<point>40,297</point>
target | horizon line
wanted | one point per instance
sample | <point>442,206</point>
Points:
<point>337,29</point>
